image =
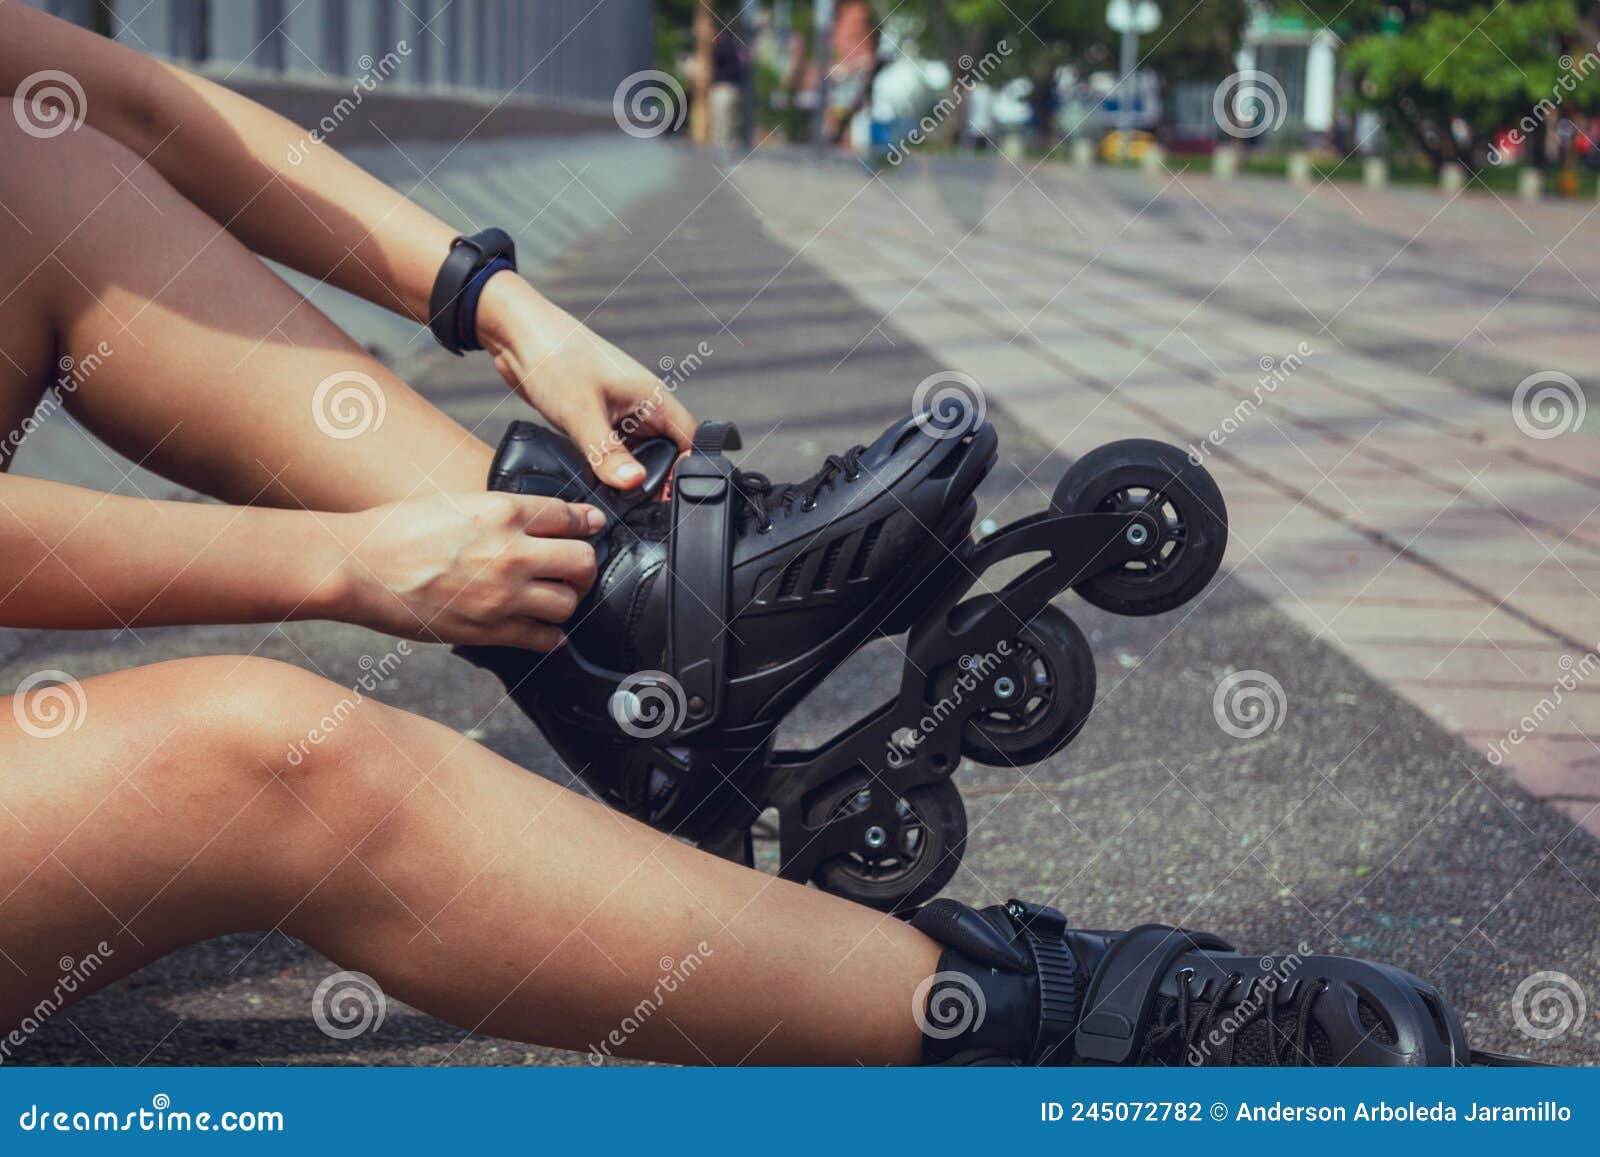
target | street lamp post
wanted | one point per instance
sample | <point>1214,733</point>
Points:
<point>1131,18</point>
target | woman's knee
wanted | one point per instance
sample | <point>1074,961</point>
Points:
<point>289,720</point>
<point>272,730</point>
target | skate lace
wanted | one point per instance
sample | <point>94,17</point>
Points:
<point>1188,1032</point>
<point>762,496</point>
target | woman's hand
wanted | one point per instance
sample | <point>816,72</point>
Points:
<point>465,568</point>
<point>577,379</point>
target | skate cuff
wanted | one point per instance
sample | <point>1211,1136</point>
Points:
<point>698,568</point>
<point>1117,1008</point>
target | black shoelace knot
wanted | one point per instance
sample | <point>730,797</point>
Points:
<point>763,496</point>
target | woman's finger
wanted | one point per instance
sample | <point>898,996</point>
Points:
<point>544,601</point>
<point>527,634</point>
<point>562,560</point>
<point>613,462</point>
<point>552,518</point>
<point>673,419</point>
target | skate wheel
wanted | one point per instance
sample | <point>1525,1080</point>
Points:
<point>1139,474</point>
<point>917,860</point>
<point>1057,680</point>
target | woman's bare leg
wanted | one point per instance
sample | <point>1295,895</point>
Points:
<point>175,811</point>
<point>215,363</point>
<point>464,885</point>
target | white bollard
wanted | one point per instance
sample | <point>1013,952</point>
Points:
<point>1154,159</point>
<point>1299,169</point>
<point>1224,162</point>
<point>1452,178</point>
<point>1530,184</point>
<point>1374,172</point>
<point>1082,153</point>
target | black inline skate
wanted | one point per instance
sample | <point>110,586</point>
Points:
<point>722,599</point>
<point>1016,986</point>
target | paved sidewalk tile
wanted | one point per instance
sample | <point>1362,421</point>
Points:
<point>1383,491</point>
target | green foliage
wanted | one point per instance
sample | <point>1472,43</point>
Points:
<point>1475,65</point>
<point>1197,38</point>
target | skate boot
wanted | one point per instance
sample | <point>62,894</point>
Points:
<point>722,599</point>
<point>1016,986</point>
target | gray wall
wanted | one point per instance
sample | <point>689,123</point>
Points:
<point>553,50</point>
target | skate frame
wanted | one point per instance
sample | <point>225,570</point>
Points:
<point>973,636</point>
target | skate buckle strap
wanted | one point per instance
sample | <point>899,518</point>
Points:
<point>698,568</point>
<point>1122,995</point>
<point>1044,929</point>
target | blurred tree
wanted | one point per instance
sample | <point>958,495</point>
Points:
<point>1447,75</point>
<point>1197,38</point>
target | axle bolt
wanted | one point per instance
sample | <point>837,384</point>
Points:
<point>876,837</point>
<point>1005,687</point>
<point>1138,534</point>
<point>863,798</point>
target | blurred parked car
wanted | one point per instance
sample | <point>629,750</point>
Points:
<point>1130,146</point>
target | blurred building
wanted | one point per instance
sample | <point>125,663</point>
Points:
<point>1302,57</point>
<point>562,52</point>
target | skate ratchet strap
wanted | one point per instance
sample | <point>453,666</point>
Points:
<point>453,304</point>
<point>1044,929</point>
<point>1122,995</point>
<point>699,563</point>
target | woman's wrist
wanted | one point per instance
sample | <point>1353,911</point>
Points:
<point>515,319</point>
<point>507,307</point>
<point>330,585</point>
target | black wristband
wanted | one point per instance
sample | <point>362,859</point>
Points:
<point>467,257</point>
